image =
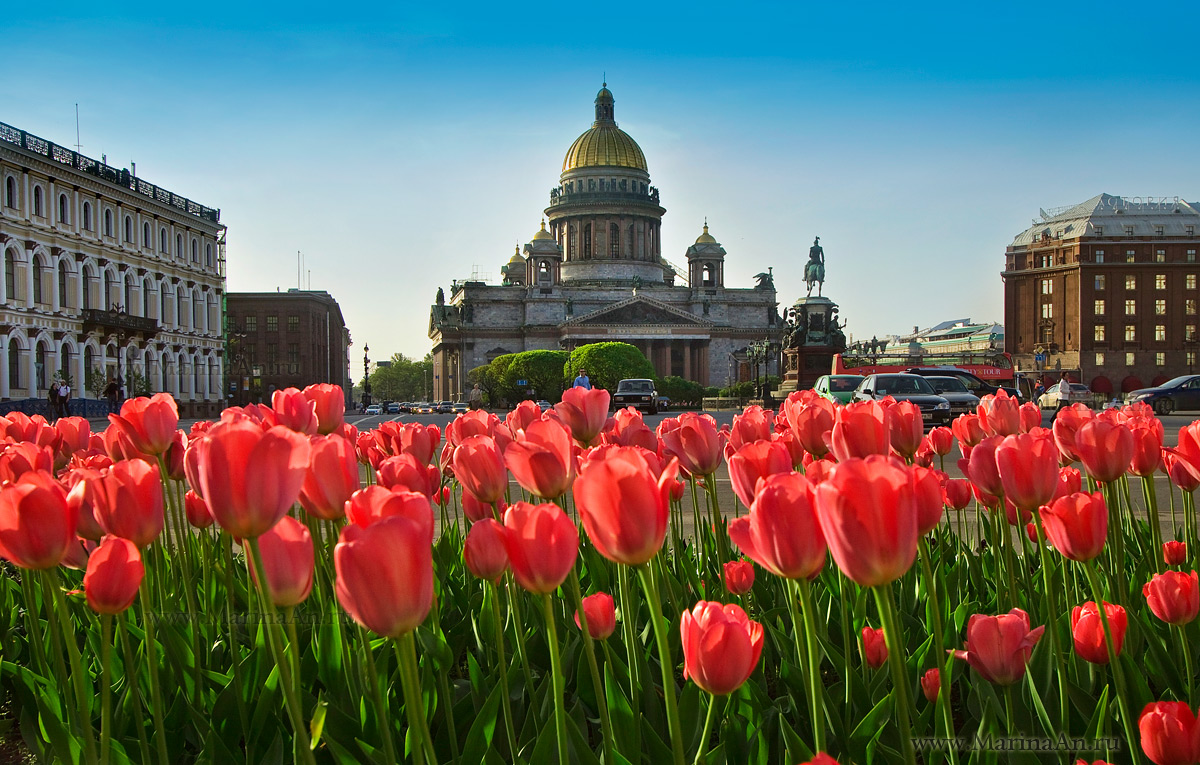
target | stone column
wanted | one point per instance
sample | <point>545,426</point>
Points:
<point>703,372</point>
<point>79,389</point>
<point>31,388</point>
<point>687,359</point>
<point>29,278</point>
<point>4,391</point>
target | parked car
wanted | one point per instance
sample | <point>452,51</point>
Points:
<point>935,410</point>
<point>373,409</point>
<point>393,407</point>
<point>445,407</point>
<point>837,388</point>
<point>638,393</point>
<point>544,405</point>
<point>975,384</point>
<point>1078,393</point>
<point>1179,394</point>
<point>962,401</point>
<point>460,407</point>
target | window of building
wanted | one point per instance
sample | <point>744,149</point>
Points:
<point>252,352</point>
<point>1131,282</point>
<point>1129,359</point>
<point>1190,282</point>
<point>208,261</point>
<point>195,251</point>
<point>10,192</point>
<point>252,323</point>
<point>1131,333</point>
<point>1160,333</point>
<point>1130,256</point>
<point>62,284</point>
<point>293,323</point>
<point>1099,256</point>
<point>1099,308</point>
<point>1129,231</point>
<point>128,229</point>
<point>272,353</point>
<point>1160,359</point>
<point>1100,281</point>
<point>293,353</point>
<point>162,240</point>
<point>1191,256</point>
<point>37,279</point>
<point>1131,308</point>
<point>62,209</point>
<point>146,235</point>
<point>1191,230</point>
<point>614,240</point>
<point>1047,311</point>
<point>1160,256</point>
<point>1160,281</point>
<point>272,323</point>
<point>1191,359</point>
<point>1100,334</point>
<point>1099,359</point>
<point>87,216</point>
<point>1158,230</point>
<point>108,223</point>
<point>37,203</point>
<point>1047,286</point>
<point>1189,307</point>
<point>179,245</point>
<point>1189,332</point>
<point>1160,308</point>
<point>587,240</point>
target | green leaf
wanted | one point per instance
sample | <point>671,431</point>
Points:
<point>317,725</point>
<point>479,738</point>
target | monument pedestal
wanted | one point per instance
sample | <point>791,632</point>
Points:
<point>813,337</point>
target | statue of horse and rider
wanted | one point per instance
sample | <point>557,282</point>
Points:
<point>814,270</point>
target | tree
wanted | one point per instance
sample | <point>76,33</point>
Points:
<point>608,363</point>
<point>403,380</point>
<point>541,370</point>
<point>680,391</point>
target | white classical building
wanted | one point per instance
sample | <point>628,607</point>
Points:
<point>105,275</point>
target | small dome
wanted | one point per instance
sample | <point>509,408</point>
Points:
<point>516,259</point>
<point>705,238</point>
<point>604,94</point>
<point>543,234</point>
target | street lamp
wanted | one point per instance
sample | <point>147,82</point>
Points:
<point>366,376</point>
<point>757,353</point>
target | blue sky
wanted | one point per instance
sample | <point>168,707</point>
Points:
<point>399,147</point>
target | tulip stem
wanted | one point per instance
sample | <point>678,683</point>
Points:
<point>702,751</point>
<point>896,649</point>
<point>235,644</point>
<point>939,639</point>
<point>410,678</point>
<point>1151,497</point>
<point>1051,619</point>
<point>590,651</point>
<point>699,551</point>
<point>1113,659</point>
<point>514,606</point>
<point>812,659</point>
<point>498,624</point>
<point>59,620</point>
<point>132,683</point>
<point>106,638</point>
<point>444,687</point>
<point>667,666</point>
<point>722,539</point>
<point>632,646</point>
<point>287,679</point>
<point>382,719</point>
<point>560,711</point>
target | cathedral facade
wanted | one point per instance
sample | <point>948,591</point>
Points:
<point>594,272</point>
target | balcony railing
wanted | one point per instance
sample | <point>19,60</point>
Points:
<point>119,322</point>
<point>561,196</point>
<point>65,156</point>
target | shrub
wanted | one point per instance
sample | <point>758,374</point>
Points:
<point>607,364</point>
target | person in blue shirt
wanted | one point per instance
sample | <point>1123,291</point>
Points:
<point>582,381</point>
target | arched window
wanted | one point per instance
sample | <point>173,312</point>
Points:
<point>128,302</point>
<point>10,192</point>
<point>614,240</point>
<point>37,279</point>
<point>587,240</point>
<point>108,223</point>
<point>162,240</point>
<point>87,216</point>
<point>108,290</point>
<point>64,361</point>
<point>208,255</point>
<point>146,298</point>
<point>39,361</point>
<point>37,201</point>
<point>543,271</point>
<point>179,314</point>
<point>179,245</point>
<point>195,251</point>
<point>14,366</point>
<point>706,277</point>
<point>128,229</point>
<point>85,273</point>
<point>163,306</point>
<point>146,235</point>
<point>89,359</point>
<point>62,209</point>
<point>62,285</point>
<point>10,277</point>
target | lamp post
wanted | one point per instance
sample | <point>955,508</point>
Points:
<point>366,376</point>
<point>757,353</point>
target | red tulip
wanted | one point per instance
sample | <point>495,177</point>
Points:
<point>1174,553</point>
<point>1170,735</point>
<point>542,460</point>
<point>861,430</point>
<point>1189,442</point>
<point>18,459</point>
<point>874,646</point>
<point>721,646</point>
<point>627,428</point>
<point>374,503</point>
<point>148,423</point>
<point>518,419</point>
<point>810,417</point>
<point>331,477</point>
<point>781,532</point>
<point>129,503</point>
<point>869,517</point>
<point>479,467</point>
<point>982,468</point>
<point>75,434</point>
<point>542,545</point>
<point>196,510</point>
<point>477,423</point>
<point>1028,468</point>
<point>1173,596</point>
<point>36,525</point>
<point>624,507</point>
<point>1105,447</point>
<point>484,551</point>
<point>905,427</point>
<point>585,412</point>
<point>1031,531</point>
<point>173,456</point>
<point>287,560</point>
<point>999,414</point>
<point>753,424</point>
<point>330,403</point>
<point>930,497</point>
<point>1088,631</point>
<point>968,430</point>
<point>85,484</point>
<point>754,462</point>
<point>1077,525</point>
<point>1066,427</point>
<point>295,411</point>
<point>931,685</point>
<point>958,493</point>
<point>476,510</point>
<point>695,443</point>
<point>821,759</point>
<point>1147,447</point>
<point>941,439</point>
<point>385,574</point>
<point>998,647</point>
<point>114,574</point>
<point>739,576</point>
<point>601,615</point>
<point>1183,472</point>
<point>250,477</point>
<point>1070,481</point>
<point>404,471</point>
<point>1031,416</point>
<point>421,441</point>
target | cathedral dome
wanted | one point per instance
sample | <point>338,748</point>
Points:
<point>705,238</point>
<point>543,233</point>
<point>516,259</point>
<point>604,144</point>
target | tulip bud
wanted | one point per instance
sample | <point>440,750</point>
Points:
<point>542,544</point>
<point>601,615</point>
<point>998,647</point>
<point>739,576</point>
<point>1168,730</point>
<point>1173,596</point>
<point>875,651</point>
<point>196,510</point>
<point>484,551</point>
<point>931,685</point>
<point>1174,553</point>
<point>1077,525</point>
<point>1088,631</point>
<point>385,574</point>
<point>114,574</point>
<point>721,646</point>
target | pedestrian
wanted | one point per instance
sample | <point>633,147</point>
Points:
<point>1064,393</point>
<point>582,381</point>
<point>52,402</point>
<point>475,398</point>
<point>64,398</point>
<point>111,391</point>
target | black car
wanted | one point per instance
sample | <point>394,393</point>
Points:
<point>974,383</point>
<point>1179,394</point>
<point>962,401</point>
<point>935,410</point>
<point>638,393</point>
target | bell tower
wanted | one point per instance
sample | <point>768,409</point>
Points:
<point>706,262</point>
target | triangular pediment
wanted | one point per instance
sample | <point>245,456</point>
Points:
<point>639,311</point>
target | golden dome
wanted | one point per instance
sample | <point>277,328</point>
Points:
<point>543,234</point>
<point>516,259</point>
<point>604,144</point>
<point>705,238</point>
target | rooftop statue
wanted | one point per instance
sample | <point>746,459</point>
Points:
<point>766,281</point>
<point>814,270</point>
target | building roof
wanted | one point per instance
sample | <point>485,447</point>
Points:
<point>604,144</point>
<point>1108,215</point>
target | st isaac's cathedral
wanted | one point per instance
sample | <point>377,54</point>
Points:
<point>595,272</point>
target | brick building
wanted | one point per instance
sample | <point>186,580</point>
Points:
<point>1108,290</point>
<point>285,340</point>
